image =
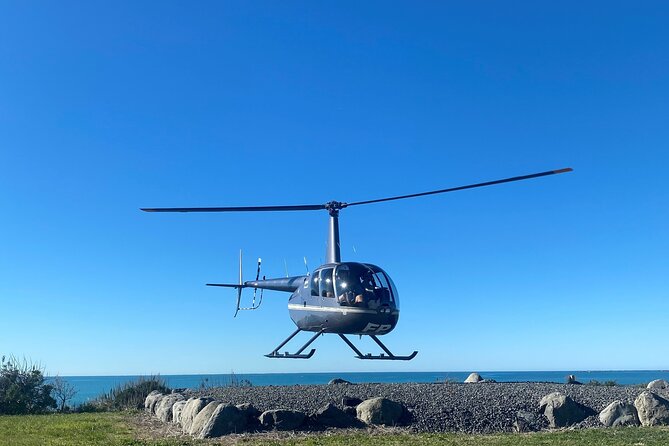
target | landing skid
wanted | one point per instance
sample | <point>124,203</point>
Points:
<point>275,353</point>
<point>390,356</point>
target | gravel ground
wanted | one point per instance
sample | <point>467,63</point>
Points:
<point>447,407</point>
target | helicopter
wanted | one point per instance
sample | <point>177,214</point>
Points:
<point>342,298</point>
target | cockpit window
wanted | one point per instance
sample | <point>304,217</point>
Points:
<point>325,284</point>
<point>314,284</point>
<point>361,285</point>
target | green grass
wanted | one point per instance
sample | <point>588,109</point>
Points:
<point>118,428</point>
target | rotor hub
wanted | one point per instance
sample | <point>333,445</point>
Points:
<point>333,207</point>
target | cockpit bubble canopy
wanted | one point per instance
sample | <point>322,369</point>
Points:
<point>355,284</point>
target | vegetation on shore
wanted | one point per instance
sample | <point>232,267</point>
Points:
<point>130,395</point>
<point>25,390</point>
<point>120,429</point>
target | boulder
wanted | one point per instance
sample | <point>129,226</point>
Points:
<point>252,414</point>
<point>152,401</point>
<point>225,419</point>
<point>474,378</point>
<point>282,419</point>
<point>331,416</point>
<point>653,410</point>
<point>658,384</point>
<point>164,407</point>
<point>338,381</point>
<point>191,409</point>
<point>526,422</point>
<point>560,410</point>
<point>380,411</point>
<point>619,413</point>
<point>177,409</point>
<point>202,418</point>
<point>571,379</point>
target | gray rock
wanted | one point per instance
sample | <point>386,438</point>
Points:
<point>338,381</point>
<point>331,416</point>
<point>282,419</point>
<point>474,378</point>
<point>526,422</point>
<point>560,410</point>
<point>177,409</point>
<point>252,414</point>
<point>191,409</point>
<point>653,410</point>
<point>152,401</point>
<point>380,411</point>
<point>658,384</point>
<point>250,409</point>
<point>619,413</point>
<point>571,379</point>
<point>164,407</point>
<point>225,419</point>
<point>202,418</point>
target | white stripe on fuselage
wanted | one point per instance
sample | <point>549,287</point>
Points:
<point>342,310</point>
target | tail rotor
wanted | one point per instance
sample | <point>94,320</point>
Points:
<point>241,283</point>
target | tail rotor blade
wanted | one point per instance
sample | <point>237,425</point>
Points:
<point>241,282</point>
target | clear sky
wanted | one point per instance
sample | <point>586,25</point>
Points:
<point>106,107</point>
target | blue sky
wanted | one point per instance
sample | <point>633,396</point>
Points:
<point>106,107</point>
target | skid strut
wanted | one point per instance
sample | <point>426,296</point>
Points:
<point>389,357</point>
<point>298,355</point>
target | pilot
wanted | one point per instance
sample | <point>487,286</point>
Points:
<point>368,296</point>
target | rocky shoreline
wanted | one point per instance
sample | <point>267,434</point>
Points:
<point>481,407</point>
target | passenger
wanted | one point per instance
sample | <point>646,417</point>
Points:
<point>347,298</point>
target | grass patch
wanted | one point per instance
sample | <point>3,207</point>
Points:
<point>119,429</point>
<point>590,437</point>
<point>65,429</point>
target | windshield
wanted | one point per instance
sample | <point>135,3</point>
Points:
<point>363,285</point>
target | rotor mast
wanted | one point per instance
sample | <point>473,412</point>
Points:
<point>333,254</point>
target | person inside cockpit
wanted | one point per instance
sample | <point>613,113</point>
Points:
<point>369,286</point>
<point>344,285</point>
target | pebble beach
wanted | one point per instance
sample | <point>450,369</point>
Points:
<point>435,407</point>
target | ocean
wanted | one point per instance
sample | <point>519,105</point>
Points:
<point>90,387</point>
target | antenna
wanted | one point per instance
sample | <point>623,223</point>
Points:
<point>285,264</point>
<point>306,266</point>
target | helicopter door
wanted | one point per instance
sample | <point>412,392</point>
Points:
<point>325,284</point>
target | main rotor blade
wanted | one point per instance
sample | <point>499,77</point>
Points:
<point>471,186</point>
<point>303,207</point>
